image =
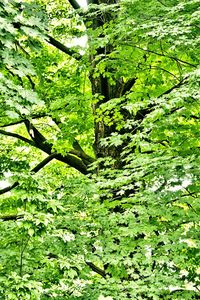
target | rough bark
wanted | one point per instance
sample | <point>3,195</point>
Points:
<point>106,90</point>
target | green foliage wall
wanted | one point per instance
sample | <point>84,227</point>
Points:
<point>120,221</point>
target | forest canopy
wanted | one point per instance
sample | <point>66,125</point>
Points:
<point>99,151</point>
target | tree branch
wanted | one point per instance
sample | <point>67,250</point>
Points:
<point>162,69</point>
<point>63,48</point>
<point>79,160</point>
<point>74,159</point>
<point>128,85</point>
<point>96,269</point>
<point>34,170</point>
<point>74,4</point>
<point>162,3</point>
<point>18,136</point>
<point>9,188</point>
<point>31,81</point>
<point>74,162</point>
<point>11,217</point>
<point>44,163</point>
<point>140,115</point>
<point>35,116</point>
<point>39,140</point>
<point>78,151</point>
<point>174,87</point>
<point>161,54</point>
<point>53,42</point>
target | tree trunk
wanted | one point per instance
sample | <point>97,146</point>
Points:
<point>105,90</point>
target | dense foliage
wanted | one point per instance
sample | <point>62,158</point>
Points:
<point>99,152</point>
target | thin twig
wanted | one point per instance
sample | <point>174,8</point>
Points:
<point>34,170</point>
<point>160,54</point>
<point>23,247</point>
